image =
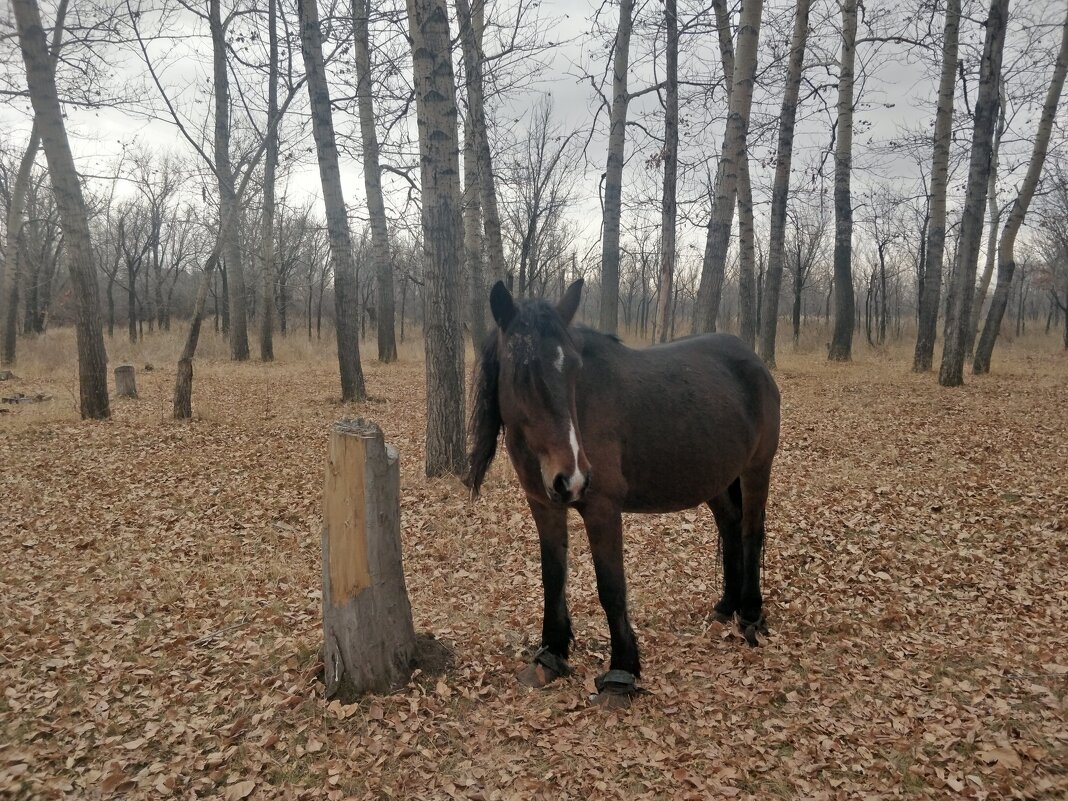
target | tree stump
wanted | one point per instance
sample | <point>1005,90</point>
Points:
<point>125,383</point>
<point>367,619</point>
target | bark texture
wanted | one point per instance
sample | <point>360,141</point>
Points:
<point>962,288</point>
<point>1006,247</point>
<point>269,169</point>
<point>435,95</point>
<point>669,207</point>
<point>613,181</point>
<point>367,618</point>
<point>471,26</point>
<point>16,213</point>
<point>337,223</point>
<point>228,206</point>
<point>935,248</point>
<point>473,240</point>
<point>40,78</point>
<point>717,239</point>
<point>372,183</point>
<point>841,349</point>
<point>780,191</point>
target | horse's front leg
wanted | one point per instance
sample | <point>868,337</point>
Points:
<point>604,525</point>
<point>550,662</point>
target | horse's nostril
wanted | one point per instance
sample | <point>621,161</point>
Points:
<point>561,484</point>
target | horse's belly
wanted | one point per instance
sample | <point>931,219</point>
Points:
<point>679,484</point>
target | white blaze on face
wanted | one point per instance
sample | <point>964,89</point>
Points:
<point>558,362</point>
<point>576,477</point>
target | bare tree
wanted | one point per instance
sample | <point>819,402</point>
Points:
<point>435,96</point>
<point>668,209</point>
<point>270,168</point>
<point>372,182</point>
<point>1006,257</point>
<point>931,287</point>
<point>15,217</point>
<point>781,188</point>
<point>613,178</point>
<point>841,348</point>
<point>341,255</point>
<point>961,290</point>
<point>717,239</point>
<point>40,78</point>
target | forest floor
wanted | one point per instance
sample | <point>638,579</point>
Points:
<point>160,605</point>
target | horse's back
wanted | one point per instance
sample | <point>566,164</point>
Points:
<point>688,417</point>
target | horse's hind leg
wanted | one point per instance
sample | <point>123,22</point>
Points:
<point>755,482</point>
<point>727,509</point>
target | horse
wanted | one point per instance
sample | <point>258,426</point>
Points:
<point>596,426</point>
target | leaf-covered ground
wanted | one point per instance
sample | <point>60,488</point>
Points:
<point>160,618</point>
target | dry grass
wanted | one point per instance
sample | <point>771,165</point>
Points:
<point>916,578</point>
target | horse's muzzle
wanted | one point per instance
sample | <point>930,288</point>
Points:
<point>566,490</point>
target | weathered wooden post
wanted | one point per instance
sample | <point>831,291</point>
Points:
<point>125,383</point>
<point>367,619</point>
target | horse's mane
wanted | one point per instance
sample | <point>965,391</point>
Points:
<point>484,425</point>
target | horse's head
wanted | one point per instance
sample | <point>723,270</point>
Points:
<point>532,386</point>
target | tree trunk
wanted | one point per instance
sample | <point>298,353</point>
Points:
<point>962,288</point>
<point>131,300</point>
<point>668,210</point>
<point>269,169</point>
<point>125,381</point>
<point>367,618</point>
<point>841,349</point>
<point>442,230</point>
<point>183,383</point>
<point>1006,247</point>
<point>472,213</point>
<point>746,257</point>
<point>228,203</point>
<point>9,281</point>
<point>9,278</point>
<point>613,183</point>
<point>471,26</point>
<point>40,78</point>
<point>796,317</point>
<point>372,182</point>
<point>345,294</point>
<point>780,191</point>
<point>717,240</point>
<point>993,220</point>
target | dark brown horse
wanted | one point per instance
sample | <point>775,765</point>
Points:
<point>592,424</point>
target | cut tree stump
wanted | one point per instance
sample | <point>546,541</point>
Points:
<point>125,382</point>
<point>369,636</point>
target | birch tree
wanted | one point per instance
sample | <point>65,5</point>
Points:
<point>372,182</point>
<point>1007,243</point>
<point>934,250</point>
<point>435,96</point>
<point>66,186</point>
<point>270,168</point>
<point>717,239</point>
<point>668,209</point>
<point>841,348</point>
<point>961,290</point>
<point>613,181</point>
<point>337,223</point>
<point>780,190</point>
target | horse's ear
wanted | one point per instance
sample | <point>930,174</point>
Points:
<point>502,305</point>
<point>569,303</point>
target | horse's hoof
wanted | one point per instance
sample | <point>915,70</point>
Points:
<point>545,668</point>
<point>615,689</point>
<point>753,631</point>
<point>536,675</point>
<point>609,700</point>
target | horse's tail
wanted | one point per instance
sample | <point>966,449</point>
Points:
<point>485,424</point>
